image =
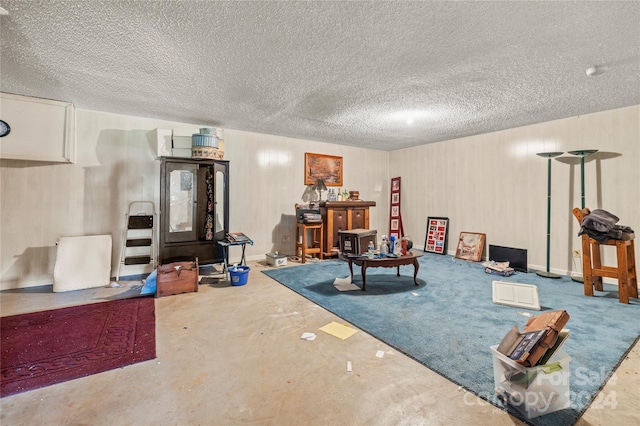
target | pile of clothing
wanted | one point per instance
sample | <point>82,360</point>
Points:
<point>601,226</point>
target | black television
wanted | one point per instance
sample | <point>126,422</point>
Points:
<point>516,257</point>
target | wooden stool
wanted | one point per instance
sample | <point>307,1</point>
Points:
<point>316,239</point>
<point>594,271</point>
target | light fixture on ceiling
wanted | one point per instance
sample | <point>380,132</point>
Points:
<point>410,116</point>
<point>595,70</point>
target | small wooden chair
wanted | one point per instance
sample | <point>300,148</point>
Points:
<point>305,246</point>
<point>594,271</point>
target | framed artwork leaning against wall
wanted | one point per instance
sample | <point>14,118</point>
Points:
<point>436,239</point>
<point>470,246</point>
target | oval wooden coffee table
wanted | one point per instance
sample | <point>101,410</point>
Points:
<point>411,258</point>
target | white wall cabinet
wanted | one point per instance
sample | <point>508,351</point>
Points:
<point>41,129</point>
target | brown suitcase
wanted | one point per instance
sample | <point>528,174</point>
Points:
<point>176,278</point>
<point>553,322</point>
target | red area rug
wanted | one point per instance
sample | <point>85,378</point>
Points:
<point>44,348</point>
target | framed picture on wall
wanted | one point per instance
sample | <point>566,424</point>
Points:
<point>395,198</point>
<point>470,246</point>
<point>436,239</point>
<point>325,167</point>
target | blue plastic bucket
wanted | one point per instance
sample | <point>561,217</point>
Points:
<point>239,275</point>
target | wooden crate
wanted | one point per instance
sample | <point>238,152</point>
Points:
<point>176,278</point>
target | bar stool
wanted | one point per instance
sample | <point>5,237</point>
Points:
<point>314,246</point>
<point>594,271</point>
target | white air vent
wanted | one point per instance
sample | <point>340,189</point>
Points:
<point>516,294</point>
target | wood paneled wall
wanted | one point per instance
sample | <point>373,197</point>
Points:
<point>492,183</point>
<point>496,184</point>
<point>41,202</point>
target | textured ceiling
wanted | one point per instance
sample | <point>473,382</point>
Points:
<point>381,75</point>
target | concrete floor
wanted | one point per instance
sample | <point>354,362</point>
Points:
<point>233,356</point>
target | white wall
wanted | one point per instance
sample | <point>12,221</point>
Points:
<point>496,184</point>
<point>267,179</point>
<point>492,183</point>
<point>40,202</point>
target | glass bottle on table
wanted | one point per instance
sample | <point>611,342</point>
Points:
<point>384,248</point>
<point>370,250</point>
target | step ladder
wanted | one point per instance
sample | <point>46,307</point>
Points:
<point>139,236</point>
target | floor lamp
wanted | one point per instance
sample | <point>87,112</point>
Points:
<point>582,153</point>
<point>548,156</point>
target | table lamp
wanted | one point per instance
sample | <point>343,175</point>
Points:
<point>310,195</point>
<point>320,186</point>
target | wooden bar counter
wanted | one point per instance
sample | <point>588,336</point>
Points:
<point>342,216</point>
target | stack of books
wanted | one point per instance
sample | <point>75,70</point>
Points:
<point>498,268</point>
<point>237,237</point>
<point>519,345</point>
<point>524,344</point>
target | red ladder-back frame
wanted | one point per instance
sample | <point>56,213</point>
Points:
<point>395,217</point>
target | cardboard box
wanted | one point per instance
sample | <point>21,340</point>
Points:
<point>275,259</point>
<point>162,143</point>
<point>532,391</point>
<point>176,278</point>
<point>182,137</point>
<point>181,152</point>
<point>356,241</point>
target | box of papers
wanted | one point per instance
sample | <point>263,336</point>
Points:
<point>545,328</point>
<point>532,391</point>
<point>506,273</point>
<point>498,268</point>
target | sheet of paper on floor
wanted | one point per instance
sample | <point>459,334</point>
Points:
<point>344,284</point>
<point>380,354</point>
<point>341,331</point>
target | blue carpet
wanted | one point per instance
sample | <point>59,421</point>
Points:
<point>451,324</point>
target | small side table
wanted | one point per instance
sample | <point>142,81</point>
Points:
<point>225,244</point>
<point>316,239</point>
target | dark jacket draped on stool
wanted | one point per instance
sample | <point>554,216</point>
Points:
<point>601,226</point>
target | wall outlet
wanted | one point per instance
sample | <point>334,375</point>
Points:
<point>576,253</point>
